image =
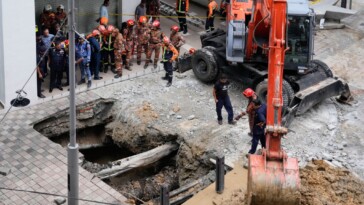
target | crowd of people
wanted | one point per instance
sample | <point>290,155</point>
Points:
<point>105,48</point>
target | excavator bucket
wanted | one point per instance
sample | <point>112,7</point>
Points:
<point>273,182</point>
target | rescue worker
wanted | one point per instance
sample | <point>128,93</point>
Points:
<point>118,49</point>
<point>94,38</point>
<point>176,39</point>
<point>61,16</point>
<point>222,99</point>
<point>103,32</point>
<point>182,7</point>
<point>250,111</point>
<point>169,54</point>
<point>142,33</point>
<point>212,9</point>
<point>259,125</point>
<point>104,14</point>
<point>41,49</point>
<point>47,40</point>
<point>57,61</point>
<point>140,10</point>
<point>47,17</point>
<point>155,41</point>
<point>128,34</point>
<point>65,45</point>
<point>108,57</point>
<point>84,50</point>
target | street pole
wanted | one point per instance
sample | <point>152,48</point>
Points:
<point>72,149</point>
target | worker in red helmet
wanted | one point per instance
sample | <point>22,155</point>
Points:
<point>191,51</point>
<point>128,35</point>
<point>142,32</point>
<point>108,56</point>
<point>155,40</point>
<point>176,39</point>
<point>169,54</point>
<point>250,111</point>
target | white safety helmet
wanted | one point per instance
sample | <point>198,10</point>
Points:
<point>60,7</point>
<point>48,7</point>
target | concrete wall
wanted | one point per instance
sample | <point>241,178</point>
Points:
<point>129,9</point>
<point>17,46</point>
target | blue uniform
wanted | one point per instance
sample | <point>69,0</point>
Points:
<point>258,131</point>
<point>95,57</point>
<point>223,100</point>
<point>57,62</point>
<point>83,50</point>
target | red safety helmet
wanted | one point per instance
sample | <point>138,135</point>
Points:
<point>95,32</point>
<point>143,19</point>
<point>166,40</point>
<point>248,92</point>
<point>110,28</point>
<point>175,28</point>
<point>130,22</point>
<point>192,50</point>
<point>156,24</point>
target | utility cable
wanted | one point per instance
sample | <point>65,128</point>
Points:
<point>59,195</point>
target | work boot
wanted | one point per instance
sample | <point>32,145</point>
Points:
<point>169,84</point>
<point>219,122</point>
<point>106,68</point>
<point>145,65</point>
<point>165,77</point>
<point>82,81</point>
<point>117,76</point>
<point>233,122</point>
<point>128,68</point>
<point>155,66</point>
<point>138,62</point>
<point>89,84</point>
<point>113,70</point>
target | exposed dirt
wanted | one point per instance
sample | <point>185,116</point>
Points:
<point>322,184</point>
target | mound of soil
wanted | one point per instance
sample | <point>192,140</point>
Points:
<point>323,184</point>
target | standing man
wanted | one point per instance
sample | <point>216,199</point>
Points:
<point>104,14</point>
<point>155,41</point>
<point>153,9</point>
<point>47,17</point>
<point>176,39</point>
<point>47,41</point>
<point>182,7</point>
<point>84,50</point>
<point>140,10</point>
<point>57,61</point>
<point>142,33</point>
<point>95,39</point>
<point>61,16</point>
<point>108,57</point>
<point>222,99</point>
<point>250,94</point>
<point>118,50</point>
<point>259,125</point>
<point>212,9</point>
<point>41,49</point>
<point>169,55</point>
<point>128,34</point>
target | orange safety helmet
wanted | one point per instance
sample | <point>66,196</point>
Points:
<point>143,19</point>
<point>110,28</point>
<point>104,21</point>
<point>192,50</point>
<point>248,92</point>
<point>95,32</point>
<point>166,40</point>
<point>175,28</point>
<point>156,24</point>
<point>130,22</point>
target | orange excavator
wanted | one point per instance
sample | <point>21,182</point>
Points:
<point>269,45</point>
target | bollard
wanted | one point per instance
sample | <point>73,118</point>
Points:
<point>220,174</point>
<point>164,195</point>
<point>343,3</point>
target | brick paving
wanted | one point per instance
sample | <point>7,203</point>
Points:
<point>38,164</point>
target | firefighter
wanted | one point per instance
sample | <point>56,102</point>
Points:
<point>57,61</point>
<point>118,49</point>
<point>182,7</point>
<point>212,9</point>
<point>155,40</point>
<point>176,40</point>
<point>47,18</point>
<point>61,16</point>
<point>95,38</point>
<point>84,50</point>
<point>108,57</point>
<point>250,111</point>
<point>142,33</point>
<point>128,35</point>
<point>169,54</point>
